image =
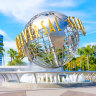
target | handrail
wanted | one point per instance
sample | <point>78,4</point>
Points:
<point>22,72</point>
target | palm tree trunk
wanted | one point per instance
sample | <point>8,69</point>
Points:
<point>72,67</point>
<point>11,59</point>
<point>84,68</point>
<point>80,62</point>
<point>88,61</point>
<point>75,66</point>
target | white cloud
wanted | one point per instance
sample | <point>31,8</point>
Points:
<point>21,9</point>
<point>3,33</point>
<point>6,37</point>
<point>6,59</point>
<point>91,43</point>
<point>10,44</point>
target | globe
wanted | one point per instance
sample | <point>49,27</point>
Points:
<point>52,39</point>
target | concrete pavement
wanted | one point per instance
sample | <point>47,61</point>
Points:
<point>88,91</point>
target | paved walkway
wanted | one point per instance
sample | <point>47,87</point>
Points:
<point>48,92</point>
<point>58,92</point>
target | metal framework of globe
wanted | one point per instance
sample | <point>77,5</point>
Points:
<point>50,39</point>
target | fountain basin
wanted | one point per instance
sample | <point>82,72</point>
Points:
<point>52,78</point>
<point>48,80</point>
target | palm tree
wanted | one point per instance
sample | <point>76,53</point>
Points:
<point>18,60</point>
<point>84,62</point>
<point>80,53</point>
<point>69,66</point>
<point>74,63</point>
<point>35,50</point>
<point>87,52</point>
<point>12,53</point>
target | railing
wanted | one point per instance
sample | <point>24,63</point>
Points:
<point>46,77</point>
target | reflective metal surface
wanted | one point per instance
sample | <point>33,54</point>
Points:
<point>55,39</point>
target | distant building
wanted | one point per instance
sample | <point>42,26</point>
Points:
<point>1,41</point>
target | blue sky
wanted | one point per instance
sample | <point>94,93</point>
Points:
<point>14,14</point>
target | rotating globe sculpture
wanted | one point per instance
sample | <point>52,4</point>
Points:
<point>50,39</point>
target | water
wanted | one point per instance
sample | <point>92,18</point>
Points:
<point>28,78</point>
<point>49,78</point>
